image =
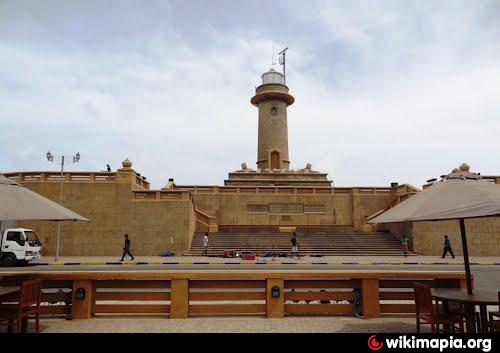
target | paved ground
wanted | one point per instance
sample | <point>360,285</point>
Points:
<point>423,260</point>
<point>125,324</point>
<point>486,277</point>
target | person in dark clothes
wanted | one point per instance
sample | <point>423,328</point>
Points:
<point>126,248</point>
<point>447,247</point>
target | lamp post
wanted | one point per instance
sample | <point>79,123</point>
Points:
<point>61,159</point>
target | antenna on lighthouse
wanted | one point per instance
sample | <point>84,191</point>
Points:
<point>283,62</point>
<point>273,64</point>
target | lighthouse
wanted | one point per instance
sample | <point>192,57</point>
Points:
<point>272,99</point>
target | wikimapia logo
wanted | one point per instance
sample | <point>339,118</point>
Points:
<point>373,344</point>
<point>441,344</point>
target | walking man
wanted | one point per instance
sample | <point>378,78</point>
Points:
<point>447,247</point>
<point>205,244</point>
<point>404,244</point>
<point>126,248</point>
<point>295,249</point>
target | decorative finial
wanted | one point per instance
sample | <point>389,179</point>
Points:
<point>464,167</point>
<point>244,166</point>
<point>462,172</point>
<point>127,164</point>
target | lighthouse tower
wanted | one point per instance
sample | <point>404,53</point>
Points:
<point>273,162</point>
<point>272,99</point>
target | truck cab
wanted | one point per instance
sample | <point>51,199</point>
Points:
<point>19,246</point>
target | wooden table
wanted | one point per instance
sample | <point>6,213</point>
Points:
<point>6,291</point>
<point>469,301</point>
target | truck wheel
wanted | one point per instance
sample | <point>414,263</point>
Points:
<point>9,260</point>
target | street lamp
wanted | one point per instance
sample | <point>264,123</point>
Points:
<point>61,160</point>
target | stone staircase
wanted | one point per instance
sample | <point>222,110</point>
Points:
<point>332,244</point>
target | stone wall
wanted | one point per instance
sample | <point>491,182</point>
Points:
<point>162,225</point>
<point>427,238</point>
<point>398,230</point>
<point>483,236</point>
<point>152,224</point>
<point>160,220</point>
<point>286,206</point>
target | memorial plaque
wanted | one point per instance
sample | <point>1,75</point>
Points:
<point>314,209</point>
<point>286,208</point>
<point>257,208</point>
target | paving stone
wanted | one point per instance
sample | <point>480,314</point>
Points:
<point>227,325</point>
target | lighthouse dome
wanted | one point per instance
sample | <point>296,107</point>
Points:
<point>273,76</point>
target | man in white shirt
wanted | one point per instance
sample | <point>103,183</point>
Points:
<point>205,244</point>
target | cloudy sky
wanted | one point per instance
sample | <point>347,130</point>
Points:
<point>385,90</point>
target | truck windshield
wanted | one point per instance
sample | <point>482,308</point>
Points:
<point>31,236</point>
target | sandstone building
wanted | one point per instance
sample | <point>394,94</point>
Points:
<point>251,200</point>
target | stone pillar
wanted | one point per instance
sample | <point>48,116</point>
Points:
<point>275,306</point>
<point>370,297</point>
<point>355,208</point>
<point>179,299</point>
<point>82,308</point>
<point>126,175</point>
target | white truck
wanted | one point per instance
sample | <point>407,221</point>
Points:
<point>19,246</point>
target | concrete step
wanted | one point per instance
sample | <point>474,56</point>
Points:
<point>309,243</point>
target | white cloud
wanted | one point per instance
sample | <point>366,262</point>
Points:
<point>381,96</point>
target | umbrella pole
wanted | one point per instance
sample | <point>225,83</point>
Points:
<point>466,255</point>
<point>57,240</point>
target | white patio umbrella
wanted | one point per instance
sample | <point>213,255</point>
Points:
<point>459,195</point>
<point>18,203</point>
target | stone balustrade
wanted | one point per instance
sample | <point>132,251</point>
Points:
<point>403,189</point>
<point>80,177</point>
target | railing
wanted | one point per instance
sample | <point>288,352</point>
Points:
<point>67,176</point>
<point>227,297</point>
<point>406,188</point>
<point>306,228</point>
<point>272,293</point>
<point>160,195</point>
<point>111,297</point>
<point>492,178</point>
<point>294,190</point>
<point>205,222</point>
<point>141,182</point>
<point>204,218</point>
<point>341,296</point>
<point>81,177</point>
<point>401,193</point>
